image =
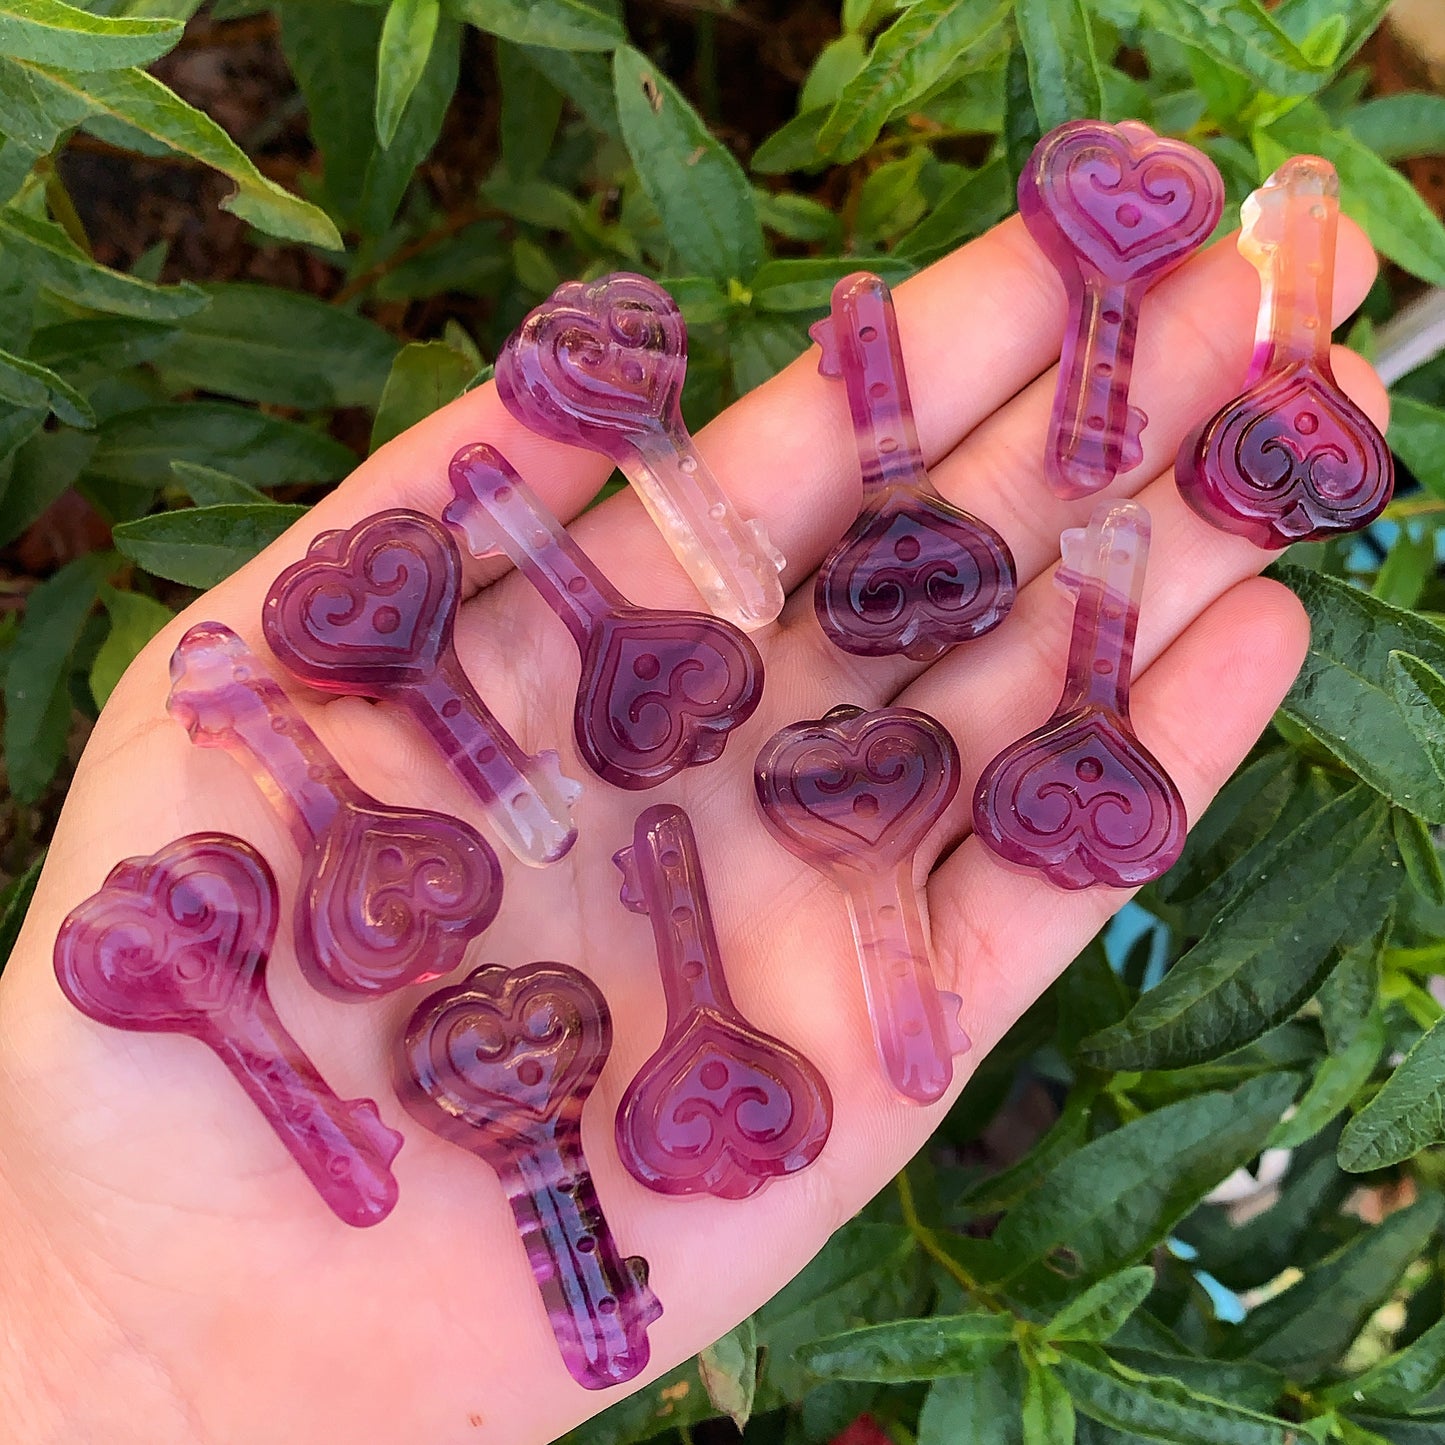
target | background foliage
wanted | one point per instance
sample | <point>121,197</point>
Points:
<point>445,163</point>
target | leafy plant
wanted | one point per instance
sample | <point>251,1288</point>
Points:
<point>1094,1289</point>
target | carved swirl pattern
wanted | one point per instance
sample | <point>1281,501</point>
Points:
<point>596,362</point>
<point>660,692</point>
<point>394,897</point>
<point>1083,802</point>
<point>1131,203</point>
<point>371,608</point>
<point>856,786</point>
<point>914,576</point>
<point>1291,460</point>
<point>181,934</point>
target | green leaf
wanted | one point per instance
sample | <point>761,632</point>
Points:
<point>41,470</point>
<point>1411,123</point>
<point>209,486</point>
<point>1241,1382</point>
<point>1406,1116</point>
<point>134,620</point>
<point>425,376</point>
<point>1306,1328</point>
<point>268,344</point>
<point>761,347</point>
<point>1407,568</point>
<point>138,447</point>
<point>1067,1134</point>
<point>1101,1310</point>
<point>1349,996</point>
<point>53,259</point>
<point>910,1349</point>
<point>891,199</point>
<point>1345,694</point>
<point>1058,42</point>
<point>805,283</point>
<point>98,346</point>
<point>1420,691</point>
<point>37,692</point>
<point>1021,129</point>
<point>1158,1408</point>
<point>1121,1194</point>
<point>729,1371</point>
<point>1242,34</point>
<point>531,109</point>
<point>558,24</point>
<point>699,189</point>
<point>1337,1080</point>
<point>202,546</point>
<point>980,1408</point>
<point>966,210</point>
<point>793,146</point>
<point>1395,217</point>
<point>407,34</point>
<point>14,905</point>
<point>1047,1412</point>
<point>1420,854</point>
<point>1401,1380</point>
<point>1271,947</point>
<point>929,40</point>
<point>27,384</point>
<point>57,34</point>
<point>1417,437</point>
<point>586,80</point>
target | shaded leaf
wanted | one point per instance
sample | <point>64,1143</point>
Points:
<point>1417,437</point>
<point>425,376</point>
<point>209,486</point>
<point>980,1408</point>
<point>14,904</point>
<point>1338,1079</point>
<point>1242,34</point>
<point>967,210</point>
<point>1401,1380</point>
<point>558,24</point>
<point>98,344</point>
<point>202,546</point>
<point>1058,43</point>
<point>806,283</point>
<point>1411,123</point>
<point>27,384</point>
<point>134,620</point>
<point>1407,1115</point>
<point>910,1349</point>
<point>1420,854</point>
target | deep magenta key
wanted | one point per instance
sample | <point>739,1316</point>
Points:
<point>721,1107</point>
<point>600,364</point>
<point>854,795</point>
<point>914,574</point>
<point>178,943</point>
<point>1293,459</point>
<point>1081,800</point>
<point>501,1066</point>
<point>1115,208</point>
<point>659,691</point>
<point>370,612</point>
<point>388,896</point>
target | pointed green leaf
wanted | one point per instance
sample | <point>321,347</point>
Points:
<point>1101,1310</point>
<point>201,546</point>
<point>1411,123</point>
<point>26,383</point>
<point>910,1349</point>
<point>1336,1082</point>
<point>980,1408</point>
<point>425,376</point>
<point>1406,1116</point>
<point>729,1371</point>
<point>805,283</point>
<point>209,486</point>
<point>695,182</point>
<point>531,110</point>
<point>1420,853</point>
<point>1401,1380</point>
<point>1417,437</point>
<point>1243,35</point>
<point>98,346</point>
<point>407,34</point>
<point>1047,1412</point>
<point>558,24</point>
<point>967,210</point>
<point>134,620</point>
<point>1058,42</point>
<point>54,33</point>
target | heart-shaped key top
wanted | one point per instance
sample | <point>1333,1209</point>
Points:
<point>370,613</point>
<point>1115,208</point>
<point>659,691</point>
<point>1081,800</point>
<point>600,365</point>
<point>501,1065</point>
<point>721,1107</point>
<point>388,896</point>
<point>854,795</point>
<point>1293,459</point>
<point>914,574</point>
<point>178,943</point>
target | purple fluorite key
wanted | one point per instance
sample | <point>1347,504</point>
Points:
<point>501,1065</point>
<point>1114,208</point>
<point>178,943</point>
<point>370,613</point>
<point>659,691</point>
<point>388,896</point>
<point>721,1107</point>
<point>854,795</point>
<point>914,574</point>
<point>1081,800</point>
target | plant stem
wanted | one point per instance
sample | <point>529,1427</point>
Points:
<point>929,1243</point>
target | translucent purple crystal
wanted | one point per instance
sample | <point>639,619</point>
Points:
<point>659,691</point>
<point>1081,800</point>
<point>914,574</point>
<point>387,896</point>
<point>370,612</point>
<point>1115,208</point>
<point>501,1065</point>
<point>721,1107</point>
<point>178,943</point>
<point>854,795</point>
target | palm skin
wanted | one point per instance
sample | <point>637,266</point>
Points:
<point>168,1274</point>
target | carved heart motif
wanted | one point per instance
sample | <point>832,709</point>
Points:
<point>1132,203</point>
<point>370,609</point>
<point>505,1060</point>
<point>1293,459</point>
<point>1082,801</point>
<point>660,691</point>
<point>395,897</point>
<point>856,788</point>
<point>596,362</point>
<point>180,934</point>
<point>914,575</point>
<point>721,1108</point>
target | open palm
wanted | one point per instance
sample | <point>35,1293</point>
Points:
<point>169,1274</point>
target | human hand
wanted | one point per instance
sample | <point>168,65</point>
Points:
<point>169,1275</point>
